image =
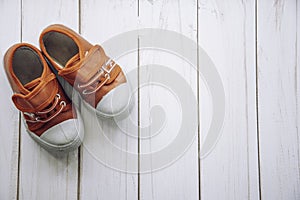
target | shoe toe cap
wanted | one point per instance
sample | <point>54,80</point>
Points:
<point>64,133</point>
<point>116,101</point>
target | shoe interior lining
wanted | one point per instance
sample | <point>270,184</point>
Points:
<point>26,65</point>
<point>60,47</point>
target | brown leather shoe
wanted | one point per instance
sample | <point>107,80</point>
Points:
<point>47,111</point>
<point>98,79</point>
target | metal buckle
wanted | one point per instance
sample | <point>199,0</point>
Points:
<point>109,62</point>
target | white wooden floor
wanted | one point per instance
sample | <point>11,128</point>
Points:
<point>255,46</point>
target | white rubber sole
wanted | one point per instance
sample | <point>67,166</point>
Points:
<point>58,149</point>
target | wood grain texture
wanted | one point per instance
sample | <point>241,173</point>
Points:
<point>262,90</point>
<point>9,123</point>
<point>104,173</point>
<point>278,91</point>
<point>43,176</point>
<point>298,73</point>
<point>177,180</point>
<point>227,34</point>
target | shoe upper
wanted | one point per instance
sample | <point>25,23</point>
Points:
<point>37,93</point>
<point>85,66</point>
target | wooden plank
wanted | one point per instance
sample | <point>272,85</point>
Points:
<point>298,71</point>
<point>105,170</point>
<point>9,123</point>
<point>177,179</point>
<point>227,34</point>
<point>42,175</point>
<point>278,93</point>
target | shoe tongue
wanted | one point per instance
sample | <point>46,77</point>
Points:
<point>73,61</point>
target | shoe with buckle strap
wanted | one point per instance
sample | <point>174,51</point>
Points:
<point>98,79</point>
<point>47,112</point>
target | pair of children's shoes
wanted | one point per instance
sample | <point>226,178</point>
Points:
<point>67,67</point>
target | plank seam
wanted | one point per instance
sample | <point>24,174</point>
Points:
<point>79,148</point>
<point>19,115</point>
<point>138,91</point>
<point>138,108</point>
<point>21,21</point>
<point>198,106</point>
<point>138,8</point>
<point>79,173</point>
<point>257,100</point>
<point>79,16</point>
<point>19,157</point>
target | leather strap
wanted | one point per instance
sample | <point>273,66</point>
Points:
<point>40,97</point>
<point>80,72</point>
